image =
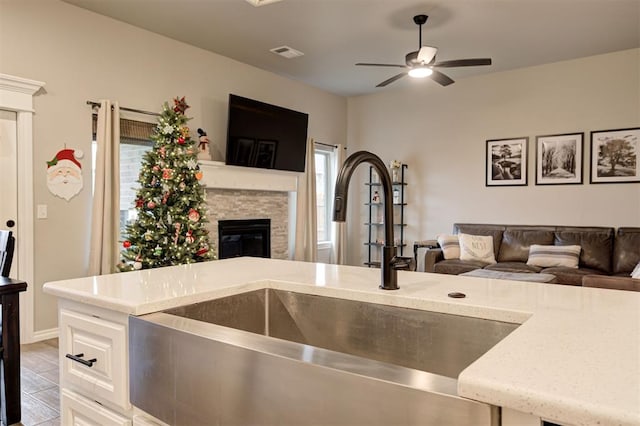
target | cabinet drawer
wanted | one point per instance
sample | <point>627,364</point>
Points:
<point>141,420</point>
<point>80,411</point>
<point>102,344</point>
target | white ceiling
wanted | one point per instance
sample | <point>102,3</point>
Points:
<point>335,34</point>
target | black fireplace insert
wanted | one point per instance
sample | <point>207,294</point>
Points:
<point>247,237</point>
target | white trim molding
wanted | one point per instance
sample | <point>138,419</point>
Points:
<point>16,94</point>
<point>216,174</point>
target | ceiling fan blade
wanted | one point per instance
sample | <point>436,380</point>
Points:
<point>381,65</point>
<point>441,79</point>
<point>392,79</point>
<point>463,63</point>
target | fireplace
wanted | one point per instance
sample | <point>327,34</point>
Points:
<point>251,237</point>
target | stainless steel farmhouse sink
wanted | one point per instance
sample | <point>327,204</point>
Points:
<point>278,357</point>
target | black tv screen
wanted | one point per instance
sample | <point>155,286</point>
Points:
<point>265,136</point>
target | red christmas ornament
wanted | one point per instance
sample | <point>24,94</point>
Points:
<point>151,204</point>
<point>189,237</point>
<point>139,202</point>
<point>181,140</point>
<point>126,244</point>
<point>202,251</point>
<point>166,173</point>
<point>193,215</point>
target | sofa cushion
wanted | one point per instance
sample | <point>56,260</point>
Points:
<point>550,256</point>
<point>477,247</point>
<point>611,282</point>
<point>570,276</point>
<point>450,246</point>
<point>516,242</point>
<point>480,229</point>
<point>456,266</point>
<point>626,250</point>
<point>596,243</point>
<point>513,267</point>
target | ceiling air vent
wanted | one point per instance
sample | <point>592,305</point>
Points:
<point>257,3</point>
<point>286,51</point>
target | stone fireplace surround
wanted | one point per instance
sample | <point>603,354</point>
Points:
<point>245,193</point>
<point>225,204</point>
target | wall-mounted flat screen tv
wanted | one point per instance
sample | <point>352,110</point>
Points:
<point>265,136</point>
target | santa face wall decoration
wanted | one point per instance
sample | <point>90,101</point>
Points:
<point>64,174</point>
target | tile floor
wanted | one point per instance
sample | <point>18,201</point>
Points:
<point>40,391</point>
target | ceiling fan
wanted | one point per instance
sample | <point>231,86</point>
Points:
<point>422,62</point>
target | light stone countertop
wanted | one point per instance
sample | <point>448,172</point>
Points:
<point>574,360</point>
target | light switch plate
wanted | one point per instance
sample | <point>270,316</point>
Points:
<point>42,211</point>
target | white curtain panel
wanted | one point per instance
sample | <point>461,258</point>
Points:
<point>339,229</point>
<point>306,243</point>
<point>105,215</point>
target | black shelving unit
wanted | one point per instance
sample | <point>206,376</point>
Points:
<point>375,223</point>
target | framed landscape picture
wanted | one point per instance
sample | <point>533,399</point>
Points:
<point>559,159</point>
<point>506,162</point>
<point>614,156</point>
<point>266,154</point>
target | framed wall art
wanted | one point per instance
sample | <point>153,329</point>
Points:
<point>266,154</point>
<point>506,162</point>
<point>614,156</point>
<point>245,152</point>
<point>559,159</point>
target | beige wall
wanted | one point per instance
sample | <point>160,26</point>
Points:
<point>83,56</point>
<point>441,133</point>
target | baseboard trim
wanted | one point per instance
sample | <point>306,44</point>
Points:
<point>41,335</point>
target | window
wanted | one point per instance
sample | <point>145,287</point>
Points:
<point>325,159</point>
<point>134,143</point>
<point>323,175</point>
<point>131,153</point>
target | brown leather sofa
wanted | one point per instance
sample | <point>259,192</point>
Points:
<point>611,282</point>
<point>603,251</point>
<point>626,255</point>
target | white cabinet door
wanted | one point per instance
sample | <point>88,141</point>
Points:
<point>80,411</point>
<point>100,368</point>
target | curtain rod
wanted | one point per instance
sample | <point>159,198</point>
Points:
<point>326,144</point>
<point>139,111</point>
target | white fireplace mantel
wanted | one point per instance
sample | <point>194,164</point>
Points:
<point>216,174</point>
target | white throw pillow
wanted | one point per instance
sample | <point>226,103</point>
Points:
<point>550,256</point>
<point>477,247</point>
<point>450,246</point>
<point>636,271</point>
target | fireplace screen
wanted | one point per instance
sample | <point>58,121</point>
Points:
<point>250,237</point>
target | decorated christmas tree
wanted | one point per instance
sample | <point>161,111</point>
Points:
<point>171,213</point>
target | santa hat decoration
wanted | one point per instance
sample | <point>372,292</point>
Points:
<point>63,157</point>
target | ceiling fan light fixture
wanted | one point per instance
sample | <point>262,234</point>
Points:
<point>420,72</point>
<point>426,54</point>
<point>258,3</point>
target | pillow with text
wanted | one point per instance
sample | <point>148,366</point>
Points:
<point>477,247</point>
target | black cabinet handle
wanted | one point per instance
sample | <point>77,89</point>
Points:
<point>78,358</point>
<point>11,223</point>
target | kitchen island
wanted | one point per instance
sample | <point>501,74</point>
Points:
<point>574,360</point>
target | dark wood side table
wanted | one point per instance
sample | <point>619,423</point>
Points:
<point>10,368</point>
